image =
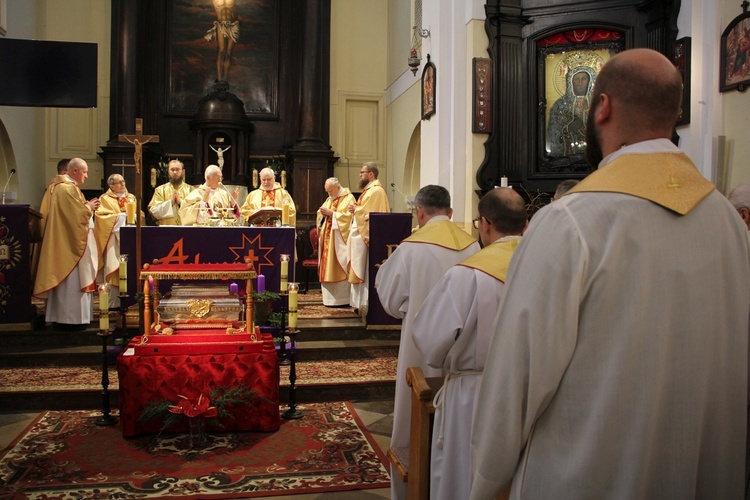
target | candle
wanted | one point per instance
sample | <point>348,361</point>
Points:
<point>293,288</point>
<point>233,288</point>
<point>123,274</point>
<point>284,271</point>
<point>503,182</point>
<point>151,284</point>
<point>261,283</point>
<point>285,214</point>
<point>153,177</point>
<point>130,212</point>
<point>104,307</point>
<point>255,178</point>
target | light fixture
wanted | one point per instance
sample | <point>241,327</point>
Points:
<point>416,44</point>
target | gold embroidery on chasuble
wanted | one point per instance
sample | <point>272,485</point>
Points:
<point>269,197</point>
<point>325,239</point>
<point>494,259</point>
<point>443,233</point>
<point>121,202</point>
<point>667,179</point>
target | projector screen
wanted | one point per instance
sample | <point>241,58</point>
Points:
<point>47,74</point>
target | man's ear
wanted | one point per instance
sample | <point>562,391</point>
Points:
<point>603,109</point>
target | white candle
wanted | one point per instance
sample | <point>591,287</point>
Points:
<point>293,287</point>
<point>285,214</point>
<point>123,274</point>
<point>284,272</point>
<point>503,182</point>
<point>104,307</point>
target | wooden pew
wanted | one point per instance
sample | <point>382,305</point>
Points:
<point>413,463</point>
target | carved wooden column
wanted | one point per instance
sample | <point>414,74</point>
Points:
<point>311,156</point>
<point>504,149</point>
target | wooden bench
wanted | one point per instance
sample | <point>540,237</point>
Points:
<point>412,463</point>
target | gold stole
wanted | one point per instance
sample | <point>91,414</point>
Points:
<point>493,259</point>
<point>667,179</point>
<point>442,233</point>
<point>268,198</point>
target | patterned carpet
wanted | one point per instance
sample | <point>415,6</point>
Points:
<point>89,378</point>
<point>64,455</point>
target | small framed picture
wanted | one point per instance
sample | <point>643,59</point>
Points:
<point>428,89</point>
<point>734,64</point>
<point>481,111</point>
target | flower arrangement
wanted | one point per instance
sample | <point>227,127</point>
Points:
<point>201,410</point>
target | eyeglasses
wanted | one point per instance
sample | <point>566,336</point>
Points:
<point>476,221</point>
<point>364,172</point>
<point>119,182</point>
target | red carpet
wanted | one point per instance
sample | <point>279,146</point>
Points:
<point>63,455</point>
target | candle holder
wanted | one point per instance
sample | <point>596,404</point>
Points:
<point>284,273</point>
<point>283,356</point>
<point>292,412</point>
<point>105,419</point>
<point>123,273</point>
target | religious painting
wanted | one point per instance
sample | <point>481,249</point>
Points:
<point>481,111</point>
<point>734,69</point>
<point>681,60</point>
<point>428,89</point>
<point>219,40</point>
<point>568,64</point>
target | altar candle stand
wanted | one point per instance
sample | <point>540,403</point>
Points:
<point>292,412</point>
<point>283,356</point>
<point>284,272</point>
<point>103,333</point>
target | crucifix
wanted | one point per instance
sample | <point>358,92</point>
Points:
<point>138,140</point>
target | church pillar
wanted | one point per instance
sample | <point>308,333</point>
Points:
<point>311,157</point>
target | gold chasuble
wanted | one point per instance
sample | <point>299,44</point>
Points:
<point>667,179</point>
<point>372,199</point>
<point>64,235</point>
<point>332,250</point>
<point>442,233</point>
<point>276,197</point>
<point>494,259</point>
<point>104,224</point>
<point>161,207</point>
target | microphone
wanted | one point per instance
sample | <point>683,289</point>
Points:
<point>12,171</point>
<point>409,200</point>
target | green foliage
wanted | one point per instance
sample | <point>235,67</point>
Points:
<point>274,319</point>
<point>265,296</point>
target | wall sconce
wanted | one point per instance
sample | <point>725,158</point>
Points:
<point>416,44</point>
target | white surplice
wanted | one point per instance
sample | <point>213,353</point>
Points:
<point>403,282</point>
<point>619,363</point>
<point>452,331</point>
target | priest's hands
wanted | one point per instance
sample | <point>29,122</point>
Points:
<point>94,204</point>
<point>352,206</point>
<point>326,212</point>
<point>176,200</point>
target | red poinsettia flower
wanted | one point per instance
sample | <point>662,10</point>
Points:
<point>190,409</point>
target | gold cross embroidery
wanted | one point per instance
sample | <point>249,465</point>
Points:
<point>673,184</point>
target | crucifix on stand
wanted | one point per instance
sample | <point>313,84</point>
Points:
<point>138,140</point>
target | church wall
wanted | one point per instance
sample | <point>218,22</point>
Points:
<point>359,34</point>
<point>403,117</point>
<point>39,137</point>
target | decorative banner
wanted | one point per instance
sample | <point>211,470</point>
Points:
<point>211,245</point>
<point>15,264</point>
<point>386,232</point>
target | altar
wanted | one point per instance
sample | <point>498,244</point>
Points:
<point>185,245</point>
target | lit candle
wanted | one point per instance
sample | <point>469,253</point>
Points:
<point>104,307</point>
<point>285,214</point>
<point>123,274</point>
<point>503,182</point>
<point>293,288</point>
<point>233,288</point>
<point>261,283</point>
<point>284,271</point>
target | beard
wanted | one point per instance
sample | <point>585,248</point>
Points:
<point>176,182</point>
<point>594,154</point>
<point>363,183</point>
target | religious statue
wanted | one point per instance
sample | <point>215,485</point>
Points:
<point>220,154</point>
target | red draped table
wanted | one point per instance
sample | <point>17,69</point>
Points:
<point>170,367</point>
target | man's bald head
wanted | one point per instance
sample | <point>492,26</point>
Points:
<point>636,97</point>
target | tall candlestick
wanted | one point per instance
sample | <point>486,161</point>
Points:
<point>123,274</point>
<point>104,307</point>
<point>284,271</point>
<point>293,288</point>
<point>261,283</point>
<point>285,214</point>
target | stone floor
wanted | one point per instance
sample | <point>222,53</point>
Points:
<point>377,416</point>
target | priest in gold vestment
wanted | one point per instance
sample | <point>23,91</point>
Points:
<point>165,204</point>
<point>109,219</point>
<point>333,220</point>
<point>372,199</point>
<point>66,275</point>
<point>208,200</point>
<point>269,194</point>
